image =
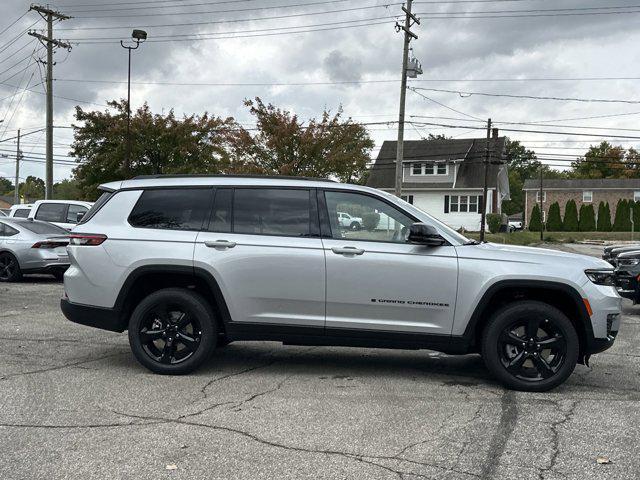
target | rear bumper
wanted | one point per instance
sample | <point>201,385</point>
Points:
<point>54,267</point>
<point>103,318</point>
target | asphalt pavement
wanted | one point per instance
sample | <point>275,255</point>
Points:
<point>75,404</point>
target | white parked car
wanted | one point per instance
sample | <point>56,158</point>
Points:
<point>347,221</point>
<point>515,225</point>
<point>63,213</point>
<point>20,210</point>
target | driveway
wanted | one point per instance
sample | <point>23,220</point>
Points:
<point>75,404</point>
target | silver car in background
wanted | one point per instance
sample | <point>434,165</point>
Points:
<point>31,246</point>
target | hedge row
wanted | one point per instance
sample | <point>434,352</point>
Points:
<point>626,210</point>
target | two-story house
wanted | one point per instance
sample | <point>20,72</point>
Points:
<point>445,177</point>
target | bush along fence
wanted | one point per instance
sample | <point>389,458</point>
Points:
<point>626,218</point>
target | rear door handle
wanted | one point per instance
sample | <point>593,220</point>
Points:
<point>220,244</point>
<point>348,250</point>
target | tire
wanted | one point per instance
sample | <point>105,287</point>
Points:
<point>9,268</point>
<point>524,364</point>
<point>173,331</point>
<point>355,226</point>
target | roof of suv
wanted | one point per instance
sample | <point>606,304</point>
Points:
<point>147,181</point>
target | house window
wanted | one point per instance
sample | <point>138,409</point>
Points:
<point>407,198</point>
<point>462,203</point>
<point>544,196</point>
<point>429,169</point>
<point>587,196</point>
<point>636,196</point>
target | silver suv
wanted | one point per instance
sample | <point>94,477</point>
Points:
<point>186,264</point>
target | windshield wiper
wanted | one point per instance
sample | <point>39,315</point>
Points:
<point>472,242</point>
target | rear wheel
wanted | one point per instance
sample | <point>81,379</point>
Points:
<point>355,226</point>
<point>530,346</point>
<point>172,331</point>
<point>9,268</point>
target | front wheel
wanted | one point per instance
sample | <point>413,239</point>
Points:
<point>530,346</point>
<point>355,226</point>
<point>172,331</point>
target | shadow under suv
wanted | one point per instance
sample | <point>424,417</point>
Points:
<point>188,263</point>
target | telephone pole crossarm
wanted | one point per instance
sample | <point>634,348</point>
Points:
<point>45,11</point>
<point>45,40</point>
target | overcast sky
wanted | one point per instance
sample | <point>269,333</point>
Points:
<point>463,54</point>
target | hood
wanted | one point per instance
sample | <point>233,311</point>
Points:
<point>631,254</point>
<point>626,248</point>
<point>533,255</point>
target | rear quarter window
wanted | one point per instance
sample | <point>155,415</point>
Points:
<point>172,209</point>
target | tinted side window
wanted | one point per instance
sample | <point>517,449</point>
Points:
<point>21,213</point>
<point>271,211</point>
<point>74,210</point>
<point>221,214</point>
<point>171,209</point>
<point>52,212</point>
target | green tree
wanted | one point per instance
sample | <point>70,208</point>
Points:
<point>587,221</point>
<point>535,223</point>
<point>285,145</point>
<point>161,143</point>
<point>622,222</point>
<point>32,188</point>
<point>521,164</point>
<point>571,217</point>
<point>607,161</point>
<point>6,186</point>
<point>554,221</point>
<point>636,215</point>
<point>604,218</point>
<point>67,189</point>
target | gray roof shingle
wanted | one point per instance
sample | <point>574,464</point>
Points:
<point>470,172</point>
<point>582,183</point>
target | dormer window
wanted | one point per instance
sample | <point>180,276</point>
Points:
<point>421,169</point>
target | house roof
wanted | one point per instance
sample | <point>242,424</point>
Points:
<point>469,151</point>
<point>582,183</point>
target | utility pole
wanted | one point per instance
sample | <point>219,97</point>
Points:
<point>408,35</point>
<point>541,207</point>
<point>483,220</point>
<point>49,42</point>
<point>16,193</point>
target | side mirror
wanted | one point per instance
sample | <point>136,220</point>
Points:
<point>423,234</point>
<point>79,216</point>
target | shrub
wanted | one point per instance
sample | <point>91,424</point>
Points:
<point>370,221</point>
<point>554,222</point>
<point>636,215</point>
<point>494,220</point>
<point>587,221</point>
<point>535,224</point>
<point>604,218</point>
<point>622,222</point>
<point>571,217</point>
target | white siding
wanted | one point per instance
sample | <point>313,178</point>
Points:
<point>433,204</point>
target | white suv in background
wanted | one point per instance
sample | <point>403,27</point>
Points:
<point>188,263</point>
<point>63,213</point>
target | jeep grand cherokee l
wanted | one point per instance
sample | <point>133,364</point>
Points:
<point>187,263</point>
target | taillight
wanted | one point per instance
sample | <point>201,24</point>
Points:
<point>47,244</point>
<point>88,239</point>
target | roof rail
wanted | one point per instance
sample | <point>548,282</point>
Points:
<point>191,175</point>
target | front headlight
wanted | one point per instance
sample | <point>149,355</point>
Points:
<point>628,262</point>
<point>601,277</point>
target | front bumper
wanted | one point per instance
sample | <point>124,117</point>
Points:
<point>606,305</point>
<point>103,318</point>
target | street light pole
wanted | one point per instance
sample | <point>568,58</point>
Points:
<point>138,37</point>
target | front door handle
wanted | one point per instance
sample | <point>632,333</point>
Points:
<point>220,244</point>
<point>348,250</point>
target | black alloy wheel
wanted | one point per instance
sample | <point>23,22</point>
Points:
<point>530,345</point>
<point>355,226</point>
<point>173,331</point>
<point>532,349</point>
<point>169,334</point>
<point>9,268</point>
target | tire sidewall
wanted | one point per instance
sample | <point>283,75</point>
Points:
<point>197,306</point>
<point>502,318</point>
<point>17,275</point>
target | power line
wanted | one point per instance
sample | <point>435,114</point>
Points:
<point>14,22</point>
<point>465,94</point>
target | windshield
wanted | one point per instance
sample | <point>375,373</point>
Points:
<point>42,228</point>
<point>437,223</point>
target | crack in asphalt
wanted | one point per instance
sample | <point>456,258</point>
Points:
<point>500,437</point>
<point>555,439</point>
<point>60,367</point>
